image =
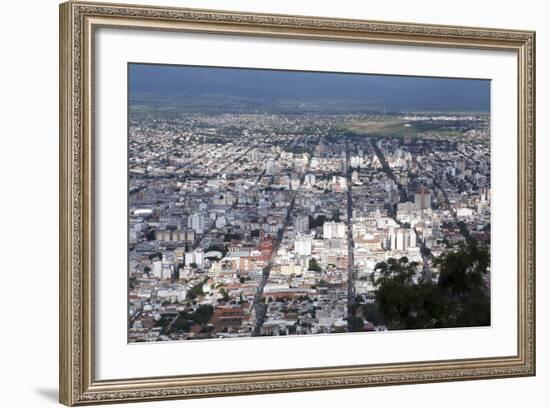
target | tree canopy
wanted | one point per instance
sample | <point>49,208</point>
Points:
<point>314,265</point>
<point>460,297</point>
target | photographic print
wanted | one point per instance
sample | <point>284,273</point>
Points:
<point>279,203</point>
<point>317,187</point>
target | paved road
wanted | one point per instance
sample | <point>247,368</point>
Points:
<point>204,234</point>
<point>259,307</point>
<point>387,169</point>
<point>426,271</point>
<point>351,263</point>
<point>239,157</point>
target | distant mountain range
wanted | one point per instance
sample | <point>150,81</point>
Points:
<point>235,89</point>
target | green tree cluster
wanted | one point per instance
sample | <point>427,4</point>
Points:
<point>459,298</point>
<point>195,291</point>
<point>225,295</point>
<point>186,320</point>
<point>314,265</point>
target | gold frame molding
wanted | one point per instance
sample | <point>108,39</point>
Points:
<point>78,22</point>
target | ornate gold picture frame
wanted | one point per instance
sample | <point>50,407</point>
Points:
<point>78,24</point>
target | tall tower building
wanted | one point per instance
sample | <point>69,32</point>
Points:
<point>423,198</point>
<point>270,168</point>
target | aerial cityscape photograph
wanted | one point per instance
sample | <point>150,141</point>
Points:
<point>281,203</point>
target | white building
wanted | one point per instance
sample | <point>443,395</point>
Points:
<point>181,294</point>
<point>166,270</point>
<point>179,254</point>
<point>404,239</point>
<point>406,208</point>
<point>189,258</point>
<point>198,254</point>
<point>334,230</point>
<point>302,245</point>
<point>163,270</point>
<point>270,168</point>
<point>197,222</point>
<point>309,180</point>
<point>221,222</point>
<point>356,161</point>
<point>157,269</point>
<point>325,318</point>
<point>464,212</point>
<point>340,183</point>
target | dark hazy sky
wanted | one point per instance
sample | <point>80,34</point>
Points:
<point>377,91</point>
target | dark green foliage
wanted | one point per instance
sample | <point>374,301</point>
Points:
<point>155,255</point>
<point>464,230</point>
<point>225,295</point>
<point>195,291</point>
<point>186,320</point>
<point>462,278</point>
<point>355,324</point>
<point>217,247</point>
<point>319,221</point>
<point>229,237</point>
<point>314,265</point>
<point>295,149</point>
<point>202,314</point>
<point>182,323</point>
<point>162,322</point>
<point>371,313</point>
<point>459,298</point>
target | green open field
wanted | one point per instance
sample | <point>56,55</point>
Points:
<point>399,128</point>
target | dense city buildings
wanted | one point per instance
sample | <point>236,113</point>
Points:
<point>268,223</point>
